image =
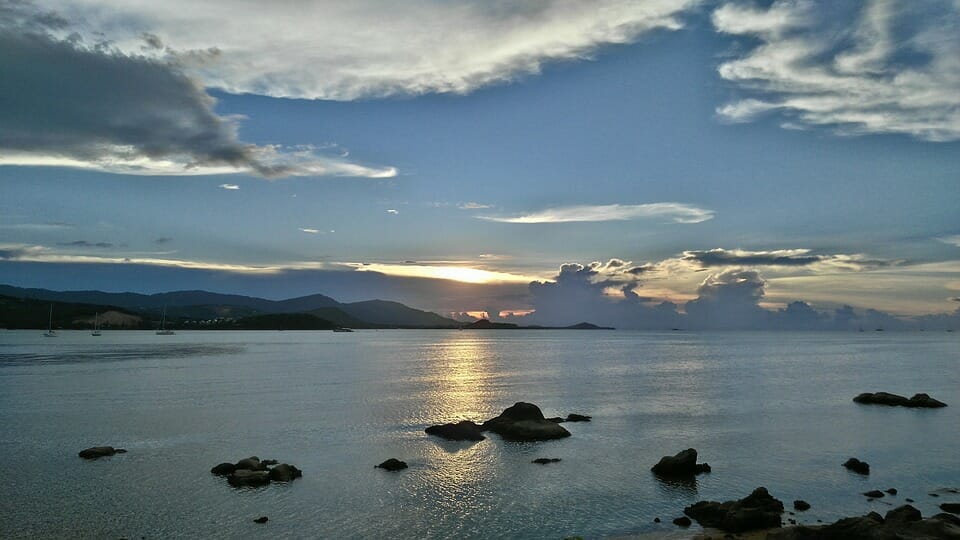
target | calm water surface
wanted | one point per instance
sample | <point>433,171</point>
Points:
<point>765,409</point>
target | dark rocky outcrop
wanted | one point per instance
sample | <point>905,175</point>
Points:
<point>953,508</point>
<point>573,417</point>
<point>682,521</point>
<point>903,523</point>
<point>801,505</point>
<point>248,478</point>
<point>524,422</point>
<point>100,451</point>
<point>544,461</point>
<point>461,431</point>
<point>922,401</point>
<point>857,466</point>
<point>682,464</point>
<point>223,469</point>
<point>759,510</point>
<point>392,464</point>
<point>261,519</point>
<point>251,463</point>
<point>284,473</point>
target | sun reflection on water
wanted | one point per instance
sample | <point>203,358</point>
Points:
<point>463,378</point>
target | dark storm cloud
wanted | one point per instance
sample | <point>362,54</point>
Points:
<point>784,257</point>
<point>84,243</point>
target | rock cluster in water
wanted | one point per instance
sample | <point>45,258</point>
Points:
<point>857,466</point>
<point>520,422</point>
<point>904,523</point>
<point>759,510</point>
<point>100,451</point>
<point>684,463</point>
<point>252,472</point>
<point>922,401</point>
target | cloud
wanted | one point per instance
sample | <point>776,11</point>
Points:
<point>729,299</point>
<point>783,257</point>
<point>122,112</point>
<point>38,226</point>
<point>884,67</point>
<point>952,240</point>
<point>472,206</point>
<point>363,49</point>
<point>309,231</point>
<point>393,211</point>
<point>84,243</point>
<point>229,186</point>
<point>162,240</point>
<point>671,212</point>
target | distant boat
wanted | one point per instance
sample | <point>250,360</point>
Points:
<point>96,325</point>
<point>50,331</point>
<point>163,331</point>
<point>341,329</point>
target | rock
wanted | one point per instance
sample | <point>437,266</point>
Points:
<point>544,461</point>
<point>461,431</point>
<point>875,494</point>
<point>100,451</point>
<point>801,505</point>
<point>857,466</point>
<point>656,520</point>
<point>923,401</point>
<point>578,418</point>
<point>251,463</point>
<point>903,523</point>
<point>682,464</point>
<point>392,465</point>
<point>223,469</point>
<point>269,462</point>
<point>285,473</point>
<point>891,491</point>
<point>248,478</point>
<point>908,499</point>
<point>556,420</point>
<point>953,508</point>
<point>261,519</point>
<point>683,521</point>
<point>524,422</point>
<point>759,510</point>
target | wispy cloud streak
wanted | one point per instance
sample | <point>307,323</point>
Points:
<point>668,211</point>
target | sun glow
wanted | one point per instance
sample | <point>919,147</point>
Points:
<point>455,273</point>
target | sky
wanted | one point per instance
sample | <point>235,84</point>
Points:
<point>639,164</point>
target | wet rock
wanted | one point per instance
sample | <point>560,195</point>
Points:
<point>392,464</point>
<point>248,478</point>
<point>953,508</point>
<point>683,521</point>
<point>261,519</point>
<point>572,417</point>
<point>891,491</point>
<point>544,461</point>
<point>875,494</point>
<point>284,473</point>
<point>100,451</point>
<point>269,462</point>
<point>251,463</point>
<point>682,464</point>
<point>908,499</point>
<point>801,505</point>
<point>857,466</point>
<point>759,510</point>
<point>922,401</point>
<point>524,422</point>
<point>902,523</point>
<point>656,520</point>
<point>223,469</point>
<point>461,431</point>
<point>556,420</point>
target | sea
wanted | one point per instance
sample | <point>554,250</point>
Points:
<point>762,408</point>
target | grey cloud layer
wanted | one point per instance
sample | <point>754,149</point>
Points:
<point>64,101</point>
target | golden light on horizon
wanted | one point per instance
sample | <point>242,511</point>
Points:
<point>463,274</point>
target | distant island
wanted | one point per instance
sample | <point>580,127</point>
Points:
<point>22,308</point>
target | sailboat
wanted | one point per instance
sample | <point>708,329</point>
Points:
<point>96,325</point>
<point>50,331</point>
<point>163,321</point>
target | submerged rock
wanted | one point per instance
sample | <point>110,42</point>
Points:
<point>875,494</point>
<point>285,473</point>
<point>902,523</point>
<point>544,461</point>
<point>857,466</point>
<point>461,431</point>
<point>261,519</point>
<point>923,401</point>
<point>100,451</point>
<point>891,491</point>
<point>248,478</point>
<point>682,464</point>
<point>759,510</point>
<point>392,464</point>
<point>524,422</point>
